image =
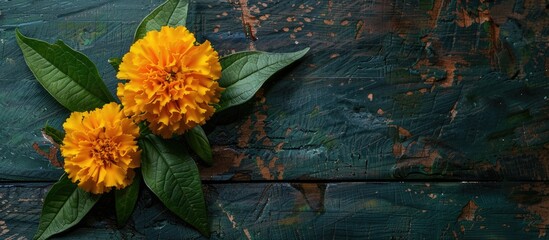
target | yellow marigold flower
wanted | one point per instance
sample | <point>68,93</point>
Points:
<point>172,81</point>
<point>100,149</point>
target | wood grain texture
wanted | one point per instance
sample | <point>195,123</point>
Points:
<point>390,89</point>
<point>349,210</point>
<point>430,93</point>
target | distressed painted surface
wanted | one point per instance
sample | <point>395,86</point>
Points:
<point>391,89</point>
<point>399,90</point>
<point>314,211</point>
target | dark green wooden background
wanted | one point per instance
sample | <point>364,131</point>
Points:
<point>408,119</point>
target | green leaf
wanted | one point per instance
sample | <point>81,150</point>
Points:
<point>53,134</point>
<point>125,200</point>
<point>198,141</point>
<point>115,63</point>
<point>64,206</point>
<point>170,13</point>
<point>170,172</point>
<point>245,72</point>
<point>69,76</point>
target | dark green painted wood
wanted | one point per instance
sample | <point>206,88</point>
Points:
<point>485,122</point>
<point>349,210</point>
<point>391,89</point>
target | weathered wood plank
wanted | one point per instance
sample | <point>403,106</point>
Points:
<point>314,211</point>
<point>391,89</point>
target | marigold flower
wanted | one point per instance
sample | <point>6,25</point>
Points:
<point>100,149</point>
<point>172,81</point>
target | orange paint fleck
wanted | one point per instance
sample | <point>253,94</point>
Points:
<point>463,19</point>
<point>279,146</point>
<point>370,97</point>
<point>247,233</point>
<point>51,155</point>
<point>265,169</point>
<point>307,19</point>
<point>224,158</point>
<point>249,22</point>
<point>329,22</point>
<point>453,112</point>
<point>259,126</point>
<point>216,28</point>
<point>285,29</point>
<point>435,12</point>
<point>359,29</point>
<point>449,64</point>
<point>539,208</point>
<point>245,133</point>
<point>423,156</point>
<point>287,133</point>
<point>344,23</point>
<point>468,211</point>
<point>334,55</point>
<point>380,112</point>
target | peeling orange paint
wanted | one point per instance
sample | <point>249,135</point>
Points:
<point>463,19</point>
<point>3,228</point>
<point>453,112</point>
<point>245,133</point>
<point>539,208</point>
<point>51,155</point>
<point>329,22</point>
<point>435,12</point>
<point>247,234</point>
<point>279,146</point>
<point>359,29</point>
<point>402,132</point>
<point>224,158</point>
<point>265,169</point>
<point>468,211</point>
<point>287,133</point>
<point>425,157</point>
<point>398,149</point>
<point>449,64</point>
<point>380,112</point>
<point>249,22</point>
<point>313,193</point>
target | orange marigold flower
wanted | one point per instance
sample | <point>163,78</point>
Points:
<point>100,149</point>
<point>172,81</point>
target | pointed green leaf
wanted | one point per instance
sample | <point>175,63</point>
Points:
<point>170,172</point>
<point>125,200</point>
<point>69,76</point>
<point>53,134</point>
<point>198,141</point>
<point>115,62</point>
<point>64,206</point>
<point>245,72</point>
<point>170,13</point>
